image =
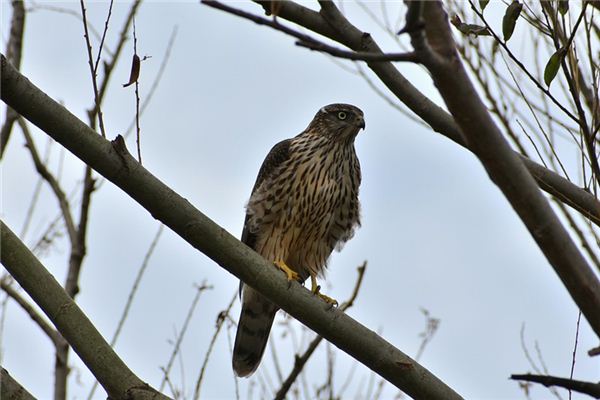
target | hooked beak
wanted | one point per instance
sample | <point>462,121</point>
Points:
<point>361,123</point>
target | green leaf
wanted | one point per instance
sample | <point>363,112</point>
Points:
<point>510,19</point>
<point>563,6</point>
<point>483,4</point>
<point>553,65</point>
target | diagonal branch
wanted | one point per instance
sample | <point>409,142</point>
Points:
<point>88,43</point>
<point>505,168</point>
<point>61,197</point>
<point>14,50</point>
<point>300,361</point>
<point>589,388</point>
<point>32,312</point>
<point>11,389</point>
<point>112,373</point>
<point>312,43</point>
<point>112,160</point>
<point>439,119</point>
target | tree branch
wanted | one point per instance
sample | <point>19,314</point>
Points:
<point>32,312</point>
<point>505,168</point>
<point>439,120</point>
<point>312,43</point>
<point>116,378</point>
<point>11,389</point>
<point>61,197</point>
<point>589,388</point>
<point>300,361</point>
<point>114,162</point>
<point>14,50</point>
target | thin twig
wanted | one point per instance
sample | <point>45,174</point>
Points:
<point>359,55</point>
<point>431,327</point>
<point>221,319</point>
<point>92,69</point>
<point>35,196</point>
<point>589,388</point>
<point>130,297</point>
<point>137,100</point>
<point>14,50</point>
<point>51,180</point>
<point>102,39</point>
<point>574,350</point>
<point>521,66</point>
<point>157,79</point>
<point>312,43</point>
<point>40,321</point>
<point>167,369</point>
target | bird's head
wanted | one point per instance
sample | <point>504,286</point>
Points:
<point>338,122</point>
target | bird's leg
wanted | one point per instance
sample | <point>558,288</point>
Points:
<point>315,288</point>
<point>289,273</point>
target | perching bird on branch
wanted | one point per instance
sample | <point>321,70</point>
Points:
<point>303,205</point>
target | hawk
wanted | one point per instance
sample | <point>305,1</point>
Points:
<point>303,205</point>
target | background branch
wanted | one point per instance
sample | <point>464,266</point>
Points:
<point>52,333</point>
<point>14,50</point>
<point>116,378</point>
<point>437,118</point>
<point>114,162</point>
<point>506,170</point>
<point>591,389</point>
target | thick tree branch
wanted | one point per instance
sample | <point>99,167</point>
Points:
<point>116,378</point>
<point>300,361</point>
<point>114,162</point>
<point>11,389</point>
<point>439,120</point>
<point>505,168</point>
<point>589,388</point>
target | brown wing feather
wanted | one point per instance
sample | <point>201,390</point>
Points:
<point>279,154</point>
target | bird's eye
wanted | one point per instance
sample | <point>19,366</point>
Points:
<point>342,115</point>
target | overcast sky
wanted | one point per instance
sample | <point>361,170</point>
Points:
<point>436,232</point>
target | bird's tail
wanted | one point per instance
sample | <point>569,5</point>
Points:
<point>253,330</point>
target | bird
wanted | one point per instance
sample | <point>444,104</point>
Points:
<point>304,204</point>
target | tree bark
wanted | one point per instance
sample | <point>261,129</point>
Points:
<point>114,162</point>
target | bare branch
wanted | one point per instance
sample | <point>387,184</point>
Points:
<point>101,46</point>
<point>63,202</point>
<point>312,43</point>
<point>437,118</point>
<point>131,296</point>
<point>360,56</point>
<point>199,289</point>
<point>88,43</point>
<point>14,49</point>
<point>300,361</point>
<point>52,333</point>
<point>589,388</point>
<point>521,66</point>
<point>11,389</point>
<point>112,373</point>
<point>506,170</point>
<point>110,66</point>
<point>114,162</point>
<point>221,319</point>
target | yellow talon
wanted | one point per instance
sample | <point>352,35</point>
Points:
<point>315,289</point>
<point>289,273</point>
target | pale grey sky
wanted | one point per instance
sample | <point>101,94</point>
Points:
<point>436,232</point>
